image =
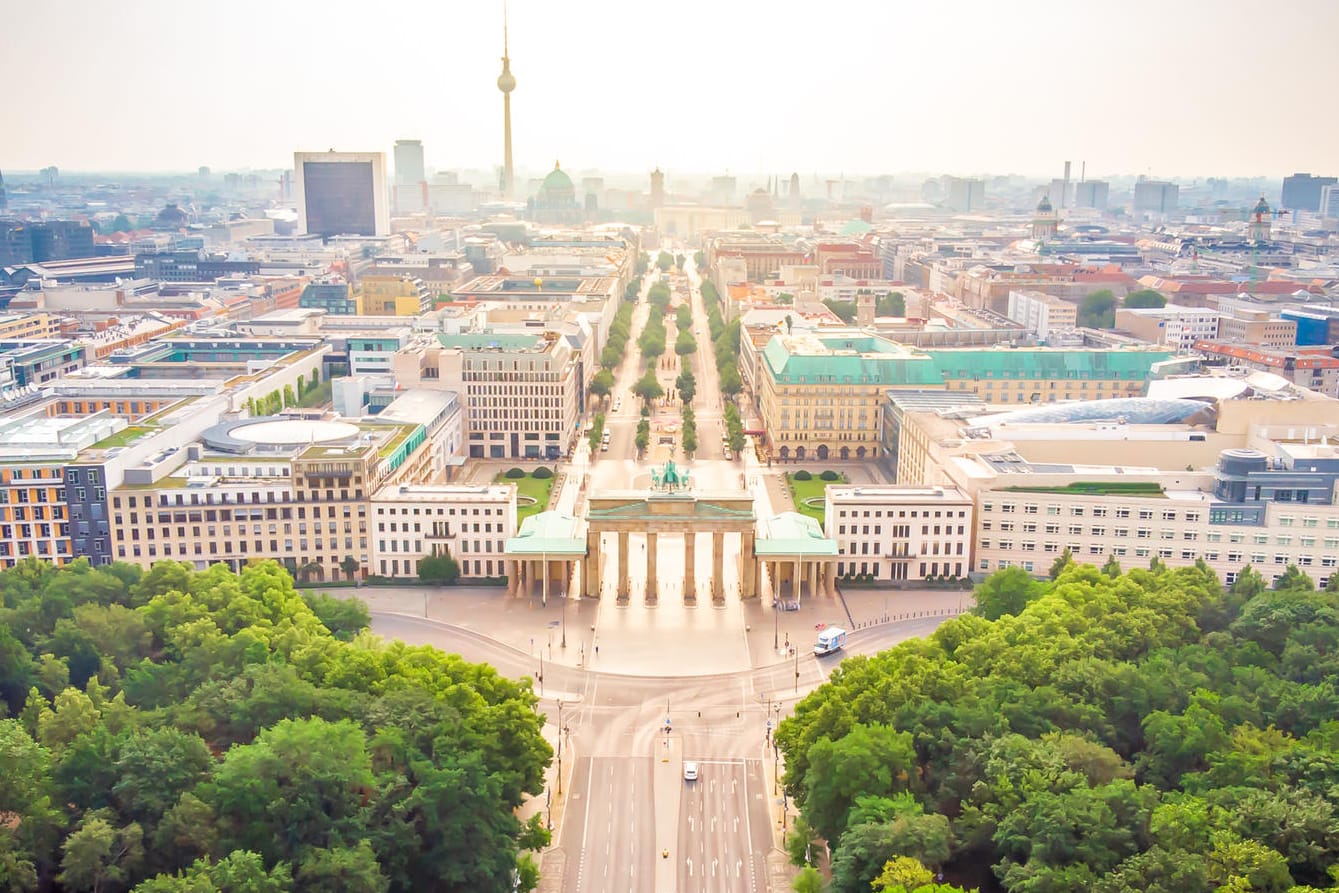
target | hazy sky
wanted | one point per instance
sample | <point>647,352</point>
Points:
<point>1164,87</point>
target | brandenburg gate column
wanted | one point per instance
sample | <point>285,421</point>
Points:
<point>652,582</point>
<point>590,568</point>
<point>623,578</point>
<point>797,578</point>
<point>815,568</point>
<point>748,566</point>
<point>717,565</point>
<point>690,565</point>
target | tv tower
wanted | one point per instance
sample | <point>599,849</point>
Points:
<point>506,82</point>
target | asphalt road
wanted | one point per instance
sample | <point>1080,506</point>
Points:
<point>626,800</point>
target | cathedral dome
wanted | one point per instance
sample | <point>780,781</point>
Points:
<point>557,181</point>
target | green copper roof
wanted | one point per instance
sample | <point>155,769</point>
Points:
<point>547,533</point>
<point>856,360</point>
<point>791,533</point>
<point>869,359</point>
<point>485,340</point>
<point>1044,363</point>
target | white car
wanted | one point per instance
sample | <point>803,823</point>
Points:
<point>690,771</point>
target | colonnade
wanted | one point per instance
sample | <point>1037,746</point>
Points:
<point>817,574</point>
<point>592,573</point>
<point>538,576</point>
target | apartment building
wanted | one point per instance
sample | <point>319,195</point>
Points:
<point>900,533</point>
<point>410,522</point>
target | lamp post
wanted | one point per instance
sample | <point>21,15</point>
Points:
<point>797,673</point>
<point>541,673</point>
<point>560,747</point>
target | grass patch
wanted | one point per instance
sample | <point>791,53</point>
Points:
<point>802,491</point>
<point>394,444</point>
<point>537,489</point>
<point>1150,489</point>
<point>124,437</point>
<point>317,396</point>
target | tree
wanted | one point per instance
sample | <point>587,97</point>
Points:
<point>350,566</point>
<point>1294,579</point>
<point>904,872</point>
<point>155,767</point>
<point>602,383</point>
<point>1145,298</point>
<point>1064,560</point>
<point>807,881</point>
<point>1097,311</point>
<point>527,873</point>
<point>351,868</point>
<point>690,440</point>
<point>798,841</point>
<point>664,261</point>
<point>869,759</point>
<point>648,387</point>
<point>300,784</point>
<point>1007,591</point>
<point>892,304</point>
<point>438,569</point>
<point>344,617</point>
<point>1112,567</point>
<point>685,343</point>
<point>686,385</point>
<point>99,856</point>
<point>643,438</point>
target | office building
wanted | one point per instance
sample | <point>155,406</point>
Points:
<point>1171,325</point>
<point>409,163</point>
<point>1091,194</point>
<point>523,392</point>
<point>342,193</point>
<point>1040,313</point>
<point>965,195</point>
<point>1155,197</point>
<point>1302,192</point>
<point>394,296</point>
<point>333,295</point>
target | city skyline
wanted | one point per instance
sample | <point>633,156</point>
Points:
<point>867,90</point>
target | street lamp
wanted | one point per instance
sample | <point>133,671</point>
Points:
<point>560,747</point>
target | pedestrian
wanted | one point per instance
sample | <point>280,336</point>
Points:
<point>597,650</point>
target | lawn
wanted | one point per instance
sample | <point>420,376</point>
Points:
<point>536,488</point>
<point>124,437</point>
<point>803,490</point>
<point>1099,488</point>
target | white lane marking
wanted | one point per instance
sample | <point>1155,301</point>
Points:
<point>690,866</point>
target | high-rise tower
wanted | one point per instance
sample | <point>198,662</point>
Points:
<point>506,82</point>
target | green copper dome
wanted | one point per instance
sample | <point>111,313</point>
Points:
<point>557,181</point>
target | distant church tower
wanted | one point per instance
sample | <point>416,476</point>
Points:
<point>1260,225</point>
<point>657,188</point>
<point>506,82</point>
<point>864,309</point>
<point>1044,223</point>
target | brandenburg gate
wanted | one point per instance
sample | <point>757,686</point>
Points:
<point>549,545</point>
<point>670,509</point>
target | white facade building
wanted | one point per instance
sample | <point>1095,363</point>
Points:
<point>900,533</point>
<point>410,522</point>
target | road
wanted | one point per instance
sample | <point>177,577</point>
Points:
<point>626,802</point>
